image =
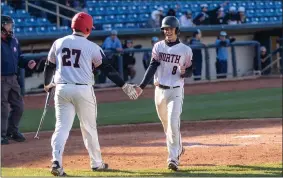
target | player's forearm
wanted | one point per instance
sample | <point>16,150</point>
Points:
<point>49,70</point>
<point>111,73</point>
<point>149,74</point>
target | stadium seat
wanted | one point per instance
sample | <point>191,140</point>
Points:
<point>264,19</point>
<point>269,4</point>
<point>64,29</point>
<point>259,5</point>
<point>98,19</point>
<point>270,12</point>
<point>100,11</point>
<point>118,26</point>
<point>260,12</point>
<point>242,4</point>
<point>250,13</point>
<point>107,27</point>
<point>144,9</point>
<point>131,25</point>
<point>91,11</point>
<point>111,10</point>
<point>19,30</point>
<point>133,9</point>
<point>41,30</point>
<point>255,20</point>
<point>52,29</point>
<point>121,18</point>
<point>22,13</point>
<point>279,11</point>
<point>91,3</point>
<point>122,10</point>
<point>144,17</point>
<point>8,12</point>
<point>132,18</point>
<point>109,19</point>
<point>29,30</point>
<point>251,5</point>
<point>274,19</point>
<point>43,22</point>
<point>31,22</point>
<point>19,22</point>
<point>278,4</point>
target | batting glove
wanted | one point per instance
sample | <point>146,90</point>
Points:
<point>130,91</point>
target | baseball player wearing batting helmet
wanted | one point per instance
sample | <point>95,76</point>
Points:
<point>71,58</point>
<point>170,63</point>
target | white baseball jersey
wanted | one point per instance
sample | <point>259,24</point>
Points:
<point>171,58</point>
<point>74,56</point>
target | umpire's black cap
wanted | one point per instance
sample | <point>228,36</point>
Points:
<point>5,19</point>
<point>170,21</point>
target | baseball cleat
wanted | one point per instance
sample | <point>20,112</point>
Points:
<point>172,165</point>
<point>102,167</point>
<point>16,136</point>
<point>56,170</point>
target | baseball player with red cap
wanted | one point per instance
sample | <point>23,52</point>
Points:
<point>71,59</point>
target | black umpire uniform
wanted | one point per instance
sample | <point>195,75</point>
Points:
<point>10,88</point>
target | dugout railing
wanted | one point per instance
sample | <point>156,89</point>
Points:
<point>207,59</point>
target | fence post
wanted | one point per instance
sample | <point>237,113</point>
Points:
<point>57,16</point>
<point>258,56</point>
<point>26,4</point>
<point>207,66</point>
<point>234,62</point>
<point>120,66</point>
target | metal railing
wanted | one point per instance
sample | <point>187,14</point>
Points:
<point>57,8</point>
<point>207,60</point>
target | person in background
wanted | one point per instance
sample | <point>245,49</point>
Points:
<point>219,17</point>
<point>10,89</point>
<point>197,57</point>
<point>264,61</point>
<point>156,18</point>
<point>147,55</point>
<point>113,44</point>
<point>129,61</point>
<point>186,19</point>
<point>241,15</point>
<point>222,54</point>
<point>231,18</point>
<point>205,16</point>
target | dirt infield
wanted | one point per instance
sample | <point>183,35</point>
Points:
<point>139,147</point>
<point>143,146</point>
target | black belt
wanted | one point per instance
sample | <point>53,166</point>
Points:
<point>73,83</point>
<point>166,87</point>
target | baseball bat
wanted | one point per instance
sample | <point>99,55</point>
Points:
<point>47,100</point>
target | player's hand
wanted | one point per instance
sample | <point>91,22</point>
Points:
<point>182,69</point>
<point>130,91</point>
<point>31,64</point>
<point>48,87</point>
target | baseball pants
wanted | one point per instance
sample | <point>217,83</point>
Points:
<point>10,95</point>
<point>168,103</point>
<point>69,100</point>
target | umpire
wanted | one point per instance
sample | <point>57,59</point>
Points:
<point>10,89</point>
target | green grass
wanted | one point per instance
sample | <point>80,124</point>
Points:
<point>267,170</point>
<point>225,105</point>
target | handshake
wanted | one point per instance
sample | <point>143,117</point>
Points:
<point>133,91</point>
